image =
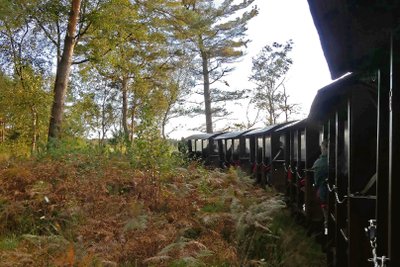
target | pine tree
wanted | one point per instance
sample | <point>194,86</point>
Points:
<point>218,39</point>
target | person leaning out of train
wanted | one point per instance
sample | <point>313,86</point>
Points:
<point>320,168</point>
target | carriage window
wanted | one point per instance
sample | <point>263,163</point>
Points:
<point>302,146</point>
<point>260,142</point>
<point>198,145</point>
<point>321,135</point>
<point>215,146</point>
<point>205,143</point>
<point>267,148</point>
<point>229,147</point>
<point>282,139</point>
<point>259,150</point>
<point>247,147</point>
<point>346,148</point>
<point>228,144</point>
<point>193,145</point>
<point>295,146</point>
<point>236,145</point>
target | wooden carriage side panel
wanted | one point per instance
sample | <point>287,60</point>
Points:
<point>300,170</point>
<point>341,182</point>
<point>362,166</point>
<point>313,209</point>
<point>382,161</point>
<point>394,153</point>
<point>285,138</point>
<point>293,165</point>
<point>332,223</point>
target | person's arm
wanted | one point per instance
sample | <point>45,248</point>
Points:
<point>315,168</point>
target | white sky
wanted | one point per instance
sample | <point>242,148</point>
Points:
<point>279,21</point>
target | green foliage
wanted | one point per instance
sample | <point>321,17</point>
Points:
<point>13,150</point>
<point>218,206</point>
<point>150,152</point>
<point>282,243</point>
<point>66,148</point>
<point>9,242</point>
<point>204,187</point>
<point>25,108</point>
<point>294,246</point>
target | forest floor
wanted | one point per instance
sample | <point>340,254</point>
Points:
<point>90,211</point>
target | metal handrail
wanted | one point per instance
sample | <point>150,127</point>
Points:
<point>334,190</point>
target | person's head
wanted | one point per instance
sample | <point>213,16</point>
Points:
<point>324,147</point>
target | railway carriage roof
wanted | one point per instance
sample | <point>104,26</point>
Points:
<point>202,136</point>
<point>354,33</point>
<point>265,130</point>
<point>231,135</point>
<point>293,124</point>
<point>329,97</point>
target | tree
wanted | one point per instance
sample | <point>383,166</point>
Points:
<point>25,104</point>
<point>137,57</point>
<point>92,106</point>
<point>63,69</point>
<point>180,84</point>
<point>218,39</point>
<point>56,27</point>
<point>269,71</point>
<point>25,99</point>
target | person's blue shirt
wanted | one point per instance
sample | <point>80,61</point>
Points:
<point>320,168</point>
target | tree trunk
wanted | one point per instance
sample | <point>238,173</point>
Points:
<point>133,113</point>
<point>2,127</point>
<point>286,107</point>
<point>164,121</point>
<point>103,123</point>
<point>270,110</point>
<point>125,107</point>
<point>63,70</point>
<point>207,94</point>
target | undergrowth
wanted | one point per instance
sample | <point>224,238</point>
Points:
<point>95,209</point>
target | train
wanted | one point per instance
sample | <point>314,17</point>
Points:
<point>358,116</point>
